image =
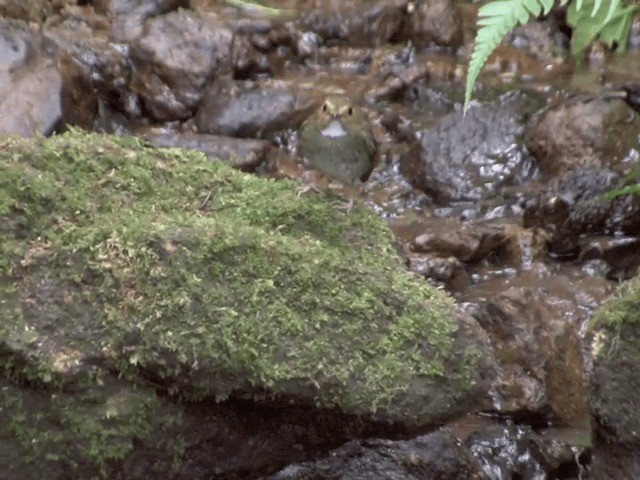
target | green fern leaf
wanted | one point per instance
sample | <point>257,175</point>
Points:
<point>616,31</point>
<point>596,6</point>
<point>495,19</point>
<point>547,5</point>
<point>618,192</point>
<point>615,4</point>
<point>610,23</point>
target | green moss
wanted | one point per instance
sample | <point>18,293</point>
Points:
<point>162,261</point>
<point>86,432</point>
<point>615,329</point>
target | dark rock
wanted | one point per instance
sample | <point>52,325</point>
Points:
<point>448,271</point>
<point>18,41</point>
<point>433,22</point>
<point>230,110</point>
<point>244,154</point>
<point>468,242</point>
<point>517,451</point>
<point>540,39</point>
<point>437,455</point>
<point>622,255</point>
<point>146,9</point>
<point>95,70</point>
<point>572,205</point>
<point>464,158</point>
<point>174,60</point>
<point>28,10</point>
<point>352,22</point>
<point>582,132</point>
<point>534,330</point>
<point>30,85</point>
<point>129,15</point>
<point>632,95</point>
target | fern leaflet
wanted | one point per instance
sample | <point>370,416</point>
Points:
<point>496,19</point>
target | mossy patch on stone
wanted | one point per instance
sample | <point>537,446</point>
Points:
<point>178,273</point>
<point>615,380</point>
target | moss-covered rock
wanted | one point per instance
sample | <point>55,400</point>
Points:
<point>615,384</point>
<point>166,271</point>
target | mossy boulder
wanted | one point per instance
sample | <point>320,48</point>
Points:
<point>615,385</point>
<point>129,271</point>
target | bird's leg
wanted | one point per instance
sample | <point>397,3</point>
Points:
<point>347,206</point>
<point>351,192</point>
<point>304,189</point>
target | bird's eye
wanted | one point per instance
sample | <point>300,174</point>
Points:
<point>350,111</point>
<point>324,107</point>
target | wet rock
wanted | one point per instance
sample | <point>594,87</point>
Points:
<point>631,94</point>
<point>353,22</point>
<point>144,278</point>
<point>535,333</point>
<point>95,70</point>
<point>437,455</point>
<point>18,43</point>
<point>129,15</point>
<point>572,205</point>
<point>307,44</point>
<point>432,22</point>
<point>622,255</point>
<point>582,132</point>
<point>448,271</point>
<point>468,242</point>
<point>146,9</point>
<point>231,110</point>
<point>30,85</point>
<point>408,76</point>
<point>29,10</point>
<point>540,39</point>
<point>615,383</point>
<point>523,247</point>
<point>517,451</point>
<point>174,60</point>
<point>464,158</point>
<point>244,154</point>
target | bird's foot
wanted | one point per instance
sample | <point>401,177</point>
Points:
<point>346,207</point>
<point>306,189</point>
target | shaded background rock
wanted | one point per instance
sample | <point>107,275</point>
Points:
<point>432,22</point>
<point>30,83</point>
<point>436,455</point>
<point>573,204</point>
<point>244,154</point>
<point>258,112</point>
<point>353,22</point>
<point>584,132</point>
<point>176,57</point>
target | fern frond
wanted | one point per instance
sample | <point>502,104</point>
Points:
<point>496,19</point>
<point>629,185</point>
<point>611,23</point>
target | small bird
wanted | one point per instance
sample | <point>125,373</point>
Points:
<point>337,141</point>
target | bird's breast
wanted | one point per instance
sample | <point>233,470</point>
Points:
<point>335,129</point>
